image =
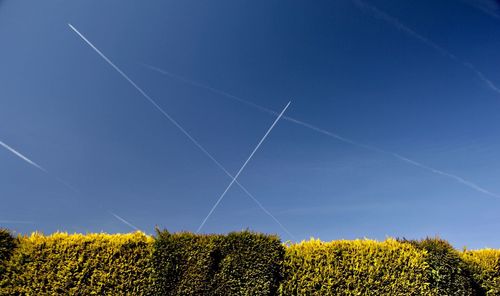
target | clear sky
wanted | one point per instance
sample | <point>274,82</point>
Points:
<point>410,87</point>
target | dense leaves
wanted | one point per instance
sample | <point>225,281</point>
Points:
<point>360,267</point>
<point>485,265</point>
<point>448,273</point>
<point>7,245</point>
<point>243,263</point>
<point>240,263</point>
<point>92,264</point>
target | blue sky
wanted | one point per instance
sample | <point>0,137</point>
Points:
<point>412,80</point>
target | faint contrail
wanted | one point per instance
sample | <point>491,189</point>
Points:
<point>455,177</point>
<point>125,221</point>
<point>328,133</point>
<point>242,167</point>
<point>378,13</point>
<point>18,154</point>
<point>488,7</point>
<point>174,122</point>
<point>29,161</point>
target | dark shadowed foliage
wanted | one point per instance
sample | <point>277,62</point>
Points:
<point>7,245</point>
<point>448,273</point>
<point>240,263</point>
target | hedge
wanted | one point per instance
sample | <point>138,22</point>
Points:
<point>243,263</point>
<point>7,245</point>
<point>240,263</point>
<point>360,267</point>
<point>485,265</point>
<point>92,264</point>
<point>448,273</point>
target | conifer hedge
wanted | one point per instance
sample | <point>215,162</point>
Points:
<point>240,263</point>
<point>485,267</point>
<point>7,245</point>
<point>448,273</point>
<point>92,264</point>
<point>359,267</point>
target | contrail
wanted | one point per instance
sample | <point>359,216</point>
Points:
<point>330,134</point>
<point>488,7</point>
<point>18,154</point>
<point>455,177</point>
<point>242,167</point>
<point>174,122</point>
<point>377,13</point>
<point>125,221</point>
<point>29,161</point>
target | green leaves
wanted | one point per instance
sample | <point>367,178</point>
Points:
<point>240,263</point>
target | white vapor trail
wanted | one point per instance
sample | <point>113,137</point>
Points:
<point>18,154</point>
<point>174,122</point>
<point>242,167</point>
<point>125,221</point>
<point>29,161</point>
<point>331,134</point>
<point>455,177</point>
<point>377,13</point>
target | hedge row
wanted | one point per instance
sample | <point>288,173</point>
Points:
<point>360,267</point>
<point>237,264</point>
<point>243,263</point>
<point>92,264</point>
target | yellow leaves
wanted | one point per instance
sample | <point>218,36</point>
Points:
<point>358,267</point>
<point>69,264</point>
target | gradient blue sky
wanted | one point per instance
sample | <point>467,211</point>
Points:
<point>347,68</point>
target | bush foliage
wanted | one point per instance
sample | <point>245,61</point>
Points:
<point>92,264</point>
<point>485,266</point>
<point>241,263</point>
<point>360,267</point>
<point>448,273</point>
<point>7,245</point>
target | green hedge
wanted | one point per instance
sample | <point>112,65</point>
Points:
<point>92,264</point>
<point>448,273</point>
<point>7,245</point>
<point>485,265</point>
<point>360,267</point>
<point>243,263</point>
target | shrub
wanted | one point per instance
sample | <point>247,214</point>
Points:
<point>485,265</point>
<point>7,245</point>
<point>448,273</point>
<point>243,263</point>
<point>92,264</point>
<point>360,267</point>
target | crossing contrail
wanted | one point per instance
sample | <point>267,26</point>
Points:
<point>329,133</point>
<point>242,168</point>
<point>378,13</point>
<point>125,221</point>
<point>174,122</point>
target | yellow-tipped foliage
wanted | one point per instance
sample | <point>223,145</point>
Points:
<point>485,265</point>
<point>359,267</point>
<point>76,264</point>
